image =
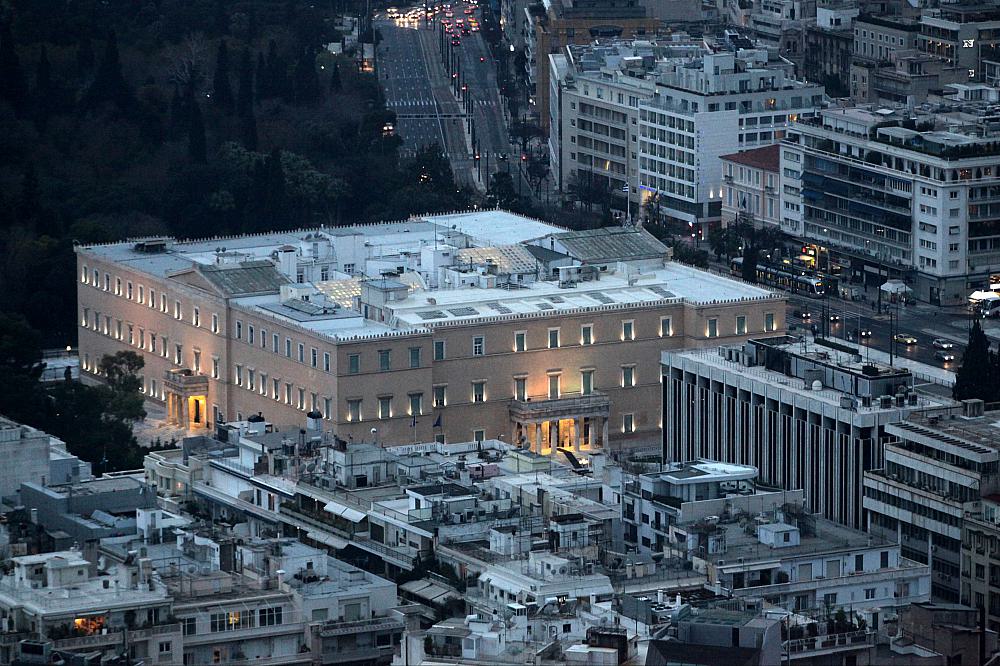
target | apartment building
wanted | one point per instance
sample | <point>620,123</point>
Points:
<point>733,96</point>
<point>938,466</point>
<point>980,581</point>
<point>550,27</point>
<point>958,32</point>
<point>751,186</point>
<point>895,194</point>
<point>807,417</point>
<point>828,46</point>
<point>458,327</point>
<point>781,24</point>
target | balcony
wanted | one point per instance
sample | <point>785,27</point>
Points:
<point>819,584</point>
<point>812,647</point>
<point>567,406</point>
<point>185,381</point>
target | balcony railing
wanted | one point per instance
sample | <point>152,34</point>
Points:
<point>567,405</point>
<point>800,648</point>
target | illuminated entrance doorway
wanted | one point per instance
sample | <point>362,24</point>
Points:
<point>185,395</point>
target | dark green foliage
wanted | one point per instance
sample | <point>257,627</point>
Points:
<point>44,93</point>
<point>306,84</point>
<point>196,133</point>
<point>977,376</point>
<point>335,84</point>
<point>222,91</point>
<point>109,84</point>
<point>13,83</point>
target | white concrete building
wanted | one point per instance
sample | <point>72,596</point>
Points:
<point>895,196</point>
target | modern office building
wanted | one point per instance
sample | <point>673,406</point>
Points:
<point>980,553</point>
<point>897,194</point>
<point>460,327</point>
<point>807,417</point>
<point>939,464</point>
<point>734,96</point>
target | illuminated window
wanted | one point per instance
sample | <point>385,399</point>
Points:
<point>384,359</point>
<point>196,317</point>
<point>741,325</point>
<point>416,404</point>
<point>628,423</point>
<point>554,386</point>
<point>713,328</point>
<point>628,376</point>
<point>520,388</point>
<point>520,341</point>
<point>440,396</point>
<point>414,357</point>
<point>666,327</point>
<point>215,323</point>
<point>587,334</point>
<point>769,321</point>
<point>553,338</point>
<point>439,351</point>
<point>478,391</point>
<point>628,330</point>
<point>478,345</point>
<point>354,364</point>
<point>326,361</point>
<point>586,382</point>
<point>385,407</point>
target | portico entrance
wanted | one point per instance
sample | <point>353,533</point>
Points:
<point>186,393</point>
<point>577,423</point>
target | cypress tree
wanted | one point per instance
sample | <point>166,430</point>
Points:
<point>248,131</point>
<point>84,58</point>
<point>244,92</point>
<point>264,85</point>
<point>177,114</point>
<point>29,200</point>
<point>222,91</point>
<point>13,83</point>
<point>109,84</point>
<point>335,79</point>
<point>43,90</point>
<point>974,377</point>
<point>196,133</point>
<point>306,79</point>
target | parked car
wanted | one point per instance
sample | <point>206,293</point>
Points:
<point>905,338</point>
<point>941,343</point>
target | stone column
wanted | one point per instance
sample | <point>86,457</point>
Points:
<point>578,432</point>
<point>537,437</point>
<point>604,433</point>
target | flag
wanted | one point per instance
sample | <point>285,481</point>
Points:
<point>437,420</point>
<point>625,188</point>
<point>413,421</point>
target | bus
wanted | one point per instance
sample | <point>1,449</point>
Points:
<point>785,277</point>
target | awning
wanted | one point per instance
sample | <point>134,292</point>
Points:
<point>429,591</point>
<point>984,296</point>
<point>344,511</point>
<point>755,566</point>
<point>895,287</point>
<point>328,539</point>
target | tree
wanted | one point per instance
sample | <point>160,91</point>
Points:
<point>84,58</point>
<point>537,170</point>
<point>244,104</point>
<point>121,370</point>
<point>109,83</point>
<point>306,84</point>
<point>524,132</point>
<point>13,83</point>
<point>196,133</point>
<point>335,84</point>
<point>652,210</point>
<point>723,241</point>
<point>977,374</point>
<point>502,193</point>
<point>44,93</point>
<point>29,207</point>
<point>222,91</point>
<point>21,366</point>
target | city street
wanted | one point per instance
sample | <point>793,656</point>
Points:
<point>422,93</point>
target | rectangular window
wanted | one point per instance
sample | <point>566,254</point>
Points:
<point>478,391</point>
<point>118,286</point>
<point>478,345</point>
<point>269,617</point>
<point>163,303</point>
<point>288,347</point>
<point>628,423</point>
<point>276,389</point>
<point>275,342</point>
<point>628,330</point>
<point>196,360</point>
<point>238,375</point>
<point>263,338</point>
<point>178,354</point>
<point>520,388</point>
<point>586,382</point>
<point>440,396</point>
<point>189,626</point>
<point>152,298</point>
<point>520,341</point>
<point>177,309</point>
<point>128,290</point>
<point>416,404</point>
<point>239,330</point>
<point>741,324</point>
<point>439,350</point>
<point>385,407</point>
<point>479,435</point>
<point>354,364</point>
<point>327,408</point>
<point>251,379</point>
<point>553,387</point>
<point>215,323</point>
<point>553,338</point>
<point>666,327</point>
<point>215,367</point>
<point>250,334</point>
<point>384,359</point>
<point>769,321</point>
<point>628,376</point>
<point>587,334</point>
<point>326,361</point>
<point>414,357</point>
<point>301,399</point>
<point>301,353</point>
<point>196,317</point>
<point>713,328</point>
<point>288,394</point>
<point>263,384</point>
<point>313,357</point>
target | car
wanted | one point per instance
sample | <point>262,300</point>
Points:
<point>864,332</point>
<point>468,10</point>
<point>904,338</point>
<point>802,314</point>
<point>834,318</point>
<point>449,14</point>
<point>456,42</point>
<point>465,32</point>
<point>941,343</point>
<point>945,356</point>
<point>474,28</point>
<point>482,59</point>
